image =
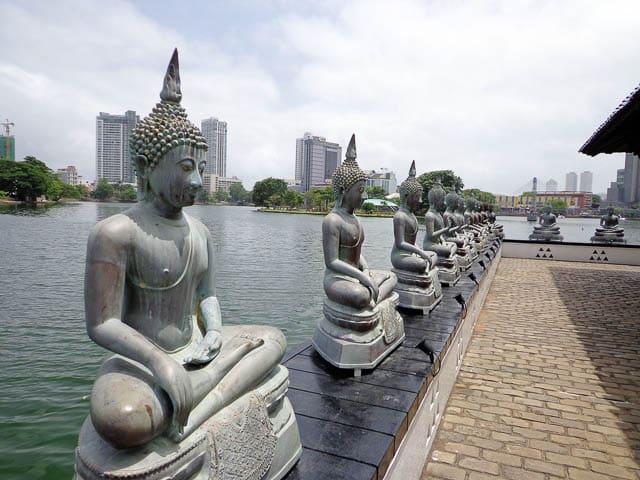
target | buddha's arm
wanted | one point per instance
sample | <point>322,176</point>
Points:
<point>209,313</point>
<point>401,243</point>
<point>105,277</point>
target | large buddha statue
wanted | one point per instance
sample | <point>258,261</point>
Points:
<point>609,231</point>
<point>360,326</point>
<point>434,238</point>
<point>547,229</point>
<point>418,285</point>
<point>181,394</point>
<point>454,234</point>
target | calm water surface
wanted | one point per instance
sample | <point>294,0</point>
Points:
<point>269,271</point>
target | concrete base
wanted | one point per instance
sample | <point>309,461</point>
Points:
<point>464,261</point>
<point>255,437</point>
<point>608,237</point>
<point>546,236</point>
<point>359,350</point>
<point>418,292</point>
<point>449,272</point>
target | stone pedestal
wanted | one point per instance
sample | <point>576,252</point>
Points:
<point>464,261</point>
<point>418,292</point>
<point>256,437</point>
<point>546,236</point>
<point>608,237</point>
<point>358,339</point>
<point>448,271</point>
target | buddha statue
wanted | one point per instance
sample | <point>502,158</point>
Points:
<point>547,229</point>
<point>360,326</point>
<point>498,229</point>
<point>609,231</point>
<point>454,233</point>
<point>464,231</point>
<point>448,269</point>
<point>471,222</point>
<point>418,285</point>
<point>181,394</point>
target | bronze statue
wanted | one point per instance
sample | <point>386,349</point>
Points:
<point>150,299</point>
<point>547,229</point>
<point>360,325</point>
<point>455,234</point>
<point>418,285</point>
<point>609,231</point>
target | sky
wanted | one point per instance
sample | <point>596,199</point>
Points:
<point>497,91</point>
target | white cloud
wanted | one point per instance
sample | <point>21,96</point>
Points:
<point>497,91</point>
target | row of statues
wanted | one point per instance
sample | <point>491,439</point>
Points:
<point>548,230</point>
<point>181,395</point>
<point>361,325</point>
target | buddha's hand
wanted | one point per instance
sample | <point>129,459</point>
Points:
<point>207,348</point>
<point>371,284</point>
<point>173,379</point>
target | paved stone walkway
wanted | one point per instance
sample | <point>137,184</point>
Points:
<point>550,385</point>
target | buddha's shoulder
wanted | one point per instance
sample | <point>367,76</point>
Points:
<point>114,229</point>
<point>197,226</point>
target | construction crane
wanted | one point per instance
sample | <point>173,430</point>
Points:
<point>7,144</point>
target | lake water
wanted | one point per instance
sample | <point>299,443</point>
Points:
<point>269,271</point>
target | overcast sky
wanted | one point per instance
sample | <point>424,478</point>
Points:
<point>498,91</point>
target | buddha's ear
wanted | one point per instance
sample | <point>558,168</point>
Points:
<point>142,165</point>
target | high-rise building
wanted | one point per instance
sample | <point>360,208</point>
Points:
<point>316,160</point>
<point>571,182</point>
<point>586,182</point>
<point>551,186</point>
<point>385,179</point>
<point>113,160</point>
<point>8,147</point>
<point>215,131</point>
<point>631,189</point>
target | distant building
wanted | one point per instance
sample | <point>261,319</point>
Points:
<point>69,175</point>
<point>216,183</point>
<point>316,160</point>
<point>552,185</point>
<point>215,131</point>
<point>385,179</point>
<point>113,160</point>
<point>574,200</point>
<point>8,148</point>
<point>586,182</point>
<point>631,189</point>
<point>571,182</point>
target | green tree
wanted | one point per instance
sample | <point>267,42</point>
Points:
<point>557,205</point>
<point>376,192</point>
<point>83,191</point>
<point>104,189</point>
<point>221,196</point>
<point>126,193</point>
<point>26,180</point>
<point>449,180</point>
<point>484,197</point>
<point>237,192</point>
<point>320,198</point>
<point>263,189</point>
<point>369,208</point>
<point>55,190</point>
<point>292,199</point>
<point>596,200</point>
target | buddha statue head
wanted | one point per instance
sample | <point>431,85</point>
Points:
<point>410,190</point>
<point>167,149</point>
<point>436,196</point>
<point>349,180</point>
<point>470,203</point>
<point>451,200</point>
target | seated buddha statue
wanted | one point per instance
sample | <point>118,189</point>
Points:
<point>464,232</point>
<point>418,286</point>
<point>496,227</point>
<point>547,228</point>
<point>434,238</point>
<point>471,224</point>
<point>360,304</point>
<point>176,375</point>
<point>609,231</point>
<point>454,234</point>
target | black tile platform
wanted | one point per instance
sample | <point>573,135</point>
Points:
<point>351,427</point>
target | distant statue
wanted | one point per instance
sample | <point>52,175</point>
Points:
<point>609,231</point>
<point>471,221</point>
<point>455,233</point>
<point>358,299</point>
<point>178,381</point>
<point>465,233</point>
<point>547,228</point>
<point>434,238</point>
<point>498,229</point>
<point>418,286</point>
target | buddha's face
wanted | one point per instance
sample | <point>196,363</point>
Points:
<point>354,196</point>
<point>413,200</point>
<point>177,177</point>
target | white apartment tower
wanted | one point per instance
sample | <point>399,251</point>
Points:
<point>113,160</point>
<point>551,186</point>
<point>571,182</point>
<point>316,160</point>
<point>586,181</point>
<point>215,131</point>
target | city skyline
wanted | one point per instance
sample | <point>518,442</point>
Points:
<point>334,67</point>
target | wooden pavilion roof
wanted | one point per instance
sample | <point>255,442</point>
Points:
<point>620,132</point>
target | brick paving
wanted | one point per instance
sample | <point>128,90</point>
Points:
<point>550,384</point>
